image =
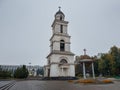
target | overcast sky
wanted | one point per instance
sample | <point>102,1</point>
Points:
<point>25,28</point>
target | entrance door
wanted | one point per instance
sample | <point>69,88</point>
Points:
<point>48,72</point>
<point>64,72</point>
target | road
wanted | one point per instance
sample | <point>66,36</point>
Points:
<point>61,85</point>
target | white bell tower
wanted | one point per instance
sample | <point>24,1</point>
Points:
<point>60,59</point>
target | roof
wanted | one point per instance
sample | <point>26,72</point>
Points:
<point>59,12</point>
<point>84,57</point>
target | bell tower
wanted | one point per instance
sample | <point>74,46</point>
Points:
<point>60,40</point>
<point>60,59</point>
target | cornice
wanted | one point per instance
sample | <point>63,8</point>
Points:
<point>60,21</point>
<point>61,53</point>
<point>59,34</point>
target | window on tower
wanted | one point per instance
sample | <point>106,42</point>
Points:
<point>62,45</point>
<point>52,46</point>
<point>61,28</point>
<point>61,17</point>
<point>63,61</point>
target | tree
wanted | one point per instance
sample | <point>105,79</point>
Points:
<point>115,53</point>
<point>109,63</point>
<point>21,72</point>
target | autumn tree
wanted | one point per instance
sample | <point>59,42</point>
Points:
<point>5,73</point>
<point>115,54</point>
<point>109,63</point>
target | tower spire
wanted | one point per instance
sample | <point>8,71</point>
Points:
<point>84,51</point>
<point>59,8</point>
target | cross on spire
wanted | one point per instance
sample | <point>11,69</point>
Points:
<point>59,7</point>
<point>84,51</point>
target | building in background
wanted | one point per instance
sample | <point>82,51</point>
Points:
<point>33,70</point>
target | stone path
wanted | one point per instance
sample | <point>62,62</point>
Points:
<point>61,85</point>
<point>2,83</point>
<point>6,85</point>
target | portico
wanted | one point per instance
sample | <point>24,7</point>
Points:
<point>87,65</point>
<point>84,62</point>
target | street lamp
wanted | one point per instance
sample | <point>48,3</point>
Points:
<point>30,68</point>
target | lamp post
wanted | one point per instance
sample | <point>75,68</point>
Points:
<point>29,68</point>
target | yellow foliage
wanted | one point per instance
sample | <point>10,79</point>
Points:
<point>70,80</point>
<point>86,81</point>
<point>107,81</point>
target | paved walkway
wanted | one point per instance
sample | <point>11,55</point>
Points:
<point>61,85</point>
<point>2,83</point>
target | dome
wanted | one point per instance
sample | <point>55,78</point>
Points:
<point>59,12</point>
<point>85,57</point>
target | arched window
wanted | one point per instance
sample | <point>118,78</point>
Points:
<point>63,61</point>
<point>60,17</point>
<point>62,45</point>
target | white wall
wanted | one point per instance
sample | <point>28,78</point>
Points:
<point>55,70</point>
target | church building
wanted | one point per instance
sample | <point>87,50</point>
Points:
<point>60,61</point>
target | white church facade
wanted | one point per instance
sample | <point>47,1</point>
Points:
<point>60,61</point>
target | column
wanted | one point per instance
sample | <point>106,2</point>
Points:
<point>93,70</point>
<point>84,72</point>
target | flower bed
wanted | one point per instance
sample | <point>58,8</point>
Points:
<point>91,81</point>
<point>85,81</point>
<point>107,81</point>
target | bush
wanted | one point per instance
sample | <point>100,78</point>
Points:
<point>5,74</point>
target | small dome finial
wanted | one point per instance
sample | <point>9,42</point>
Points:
<point>59,8</point>
<point>84,51</point>
<point>60,13</point>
